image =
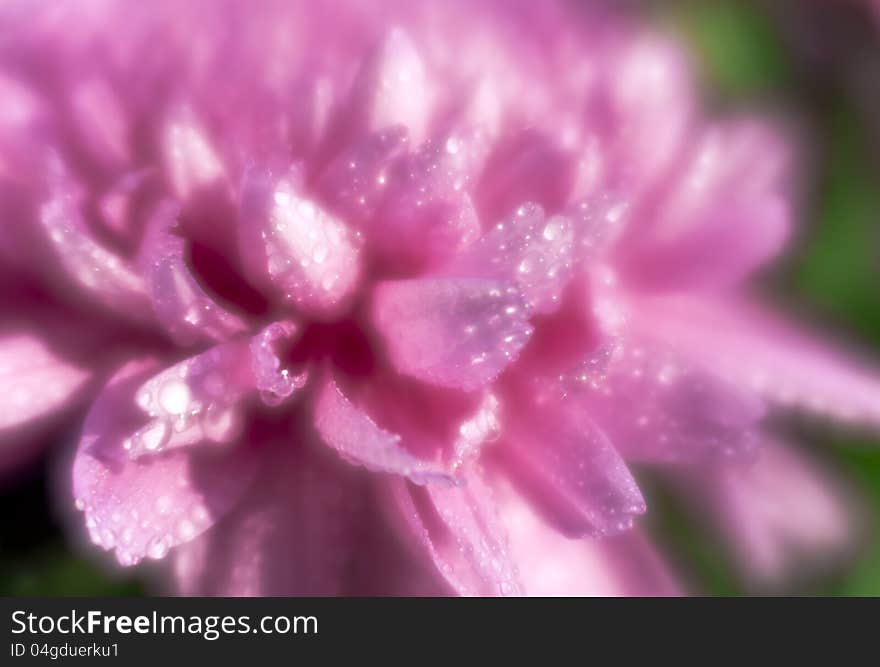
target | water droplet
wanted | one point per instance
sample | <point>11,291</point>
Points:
<point>151,438</point>
<point>163,504</point>
<point>174,397</point>
<point>551,230</point>
<point>186,529</point>
<point>158,547</point>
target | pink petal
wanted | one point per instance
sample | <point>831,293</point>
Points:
<point>360,441</point>
<point>428,214</point>
<point>393,87</point>
<point>145,507</point>
<point>34,381</point>
<point>275,383</point>
<point>570,471</point>
<point>100,273</point>
<point>190,157</point>
<point>201,399</point>
<point>784,517</point>
<point>551,564</point>
<point>642,111</point>
<point>193,401</point>
<point>451,332</point>
<point>101,120</point>
<point>728,217</point>
<point>434,424</point>
<point>458,529</point>
<point>356,181</point>
<point>295,533</point>
<point>527,248</point>
<point>656,405</point>
<point>768,357</point>
<point>118,204</point>
<point>290,243</point>
<point>525,167</point>
<point>182,305</point>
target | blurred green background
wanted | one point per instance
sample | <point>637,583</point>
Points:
<point>817,61</point>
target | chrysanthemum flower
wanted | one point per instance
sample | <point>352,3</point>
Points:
<point>387,297</point>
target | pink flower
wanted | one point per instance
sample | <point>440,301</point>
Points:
<point>394,295</point>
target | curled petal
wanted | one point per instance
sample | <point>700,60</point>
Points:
<point>460,531</point>
<point>181,304</point>
<point>359,440</point>
<point>571,472</point>
<point>142,508</point>
<point>451,332</point>
<point>528,249</point>
<point>291,243</point>
<point>275,383</point>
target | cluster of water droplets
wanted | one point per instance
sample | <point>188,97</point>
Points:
<point>192,401</point>
<point>532,251</point>
<point>680,409</point>
<point>308,253</point>
<point>476,431</point>
<point>121,530</point>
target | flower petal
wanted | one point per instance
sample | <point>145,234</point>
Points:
<point>550,564</point>
<point>727,218</point>
<point>570,471</point>
<point>641,110</point>
<point>191,160</point>
<point>145,507</point>
<point>393,88</point>
<point>768,357</point>
<point>359,440</point>
<point>356,181</point>
<point>458,529</point>
<point>295,532</point>
<point>182,306</point>
<point>784,516</point>
<point>101,121</point>
<point>451,332</point>
<point>658,406</point>
<point>427,214</point>
<point>528,249</point>
<point>193,401</point>
<point>100,273</point>
<point>290,243</point>
<point>34,381</point>
<point>528,166</point>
